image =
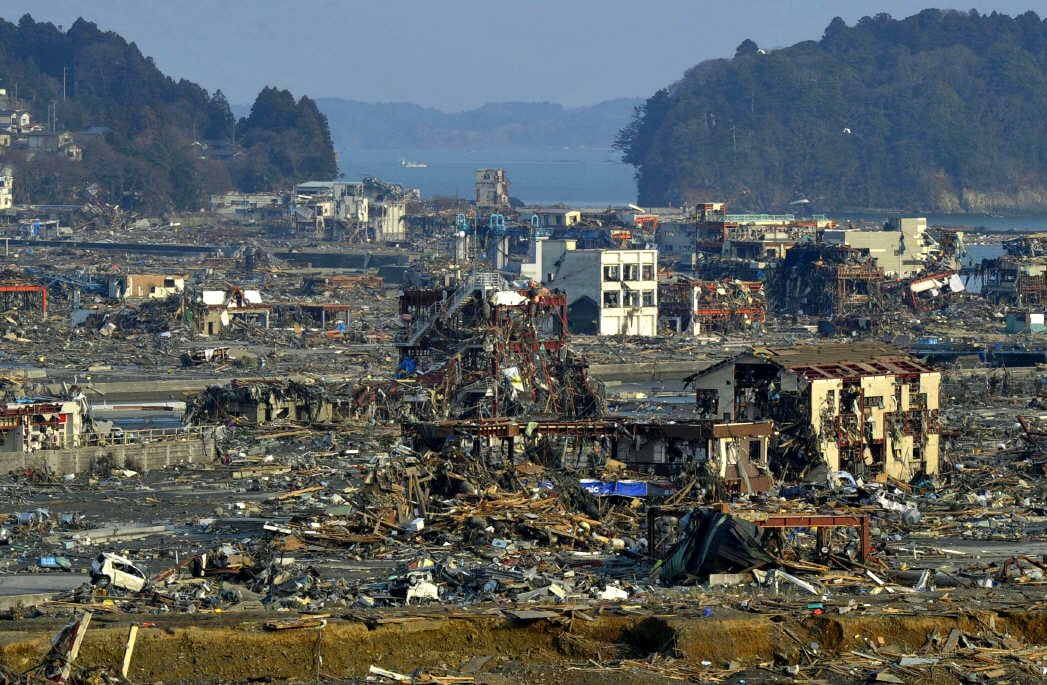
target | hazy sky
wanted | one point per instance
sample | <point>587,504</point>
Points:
<point>455,54</point>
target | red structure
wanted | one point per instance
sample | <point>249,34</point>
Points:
<point>24,297</point>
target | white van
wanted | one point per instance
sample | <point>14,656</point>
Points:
<point>111,569</point>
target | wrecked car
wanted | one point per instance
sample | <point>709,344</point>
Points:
<point>111,570</point>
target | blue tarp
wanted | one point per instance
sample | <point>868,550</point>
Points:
<point>622,488</point>
<point>616,488</point>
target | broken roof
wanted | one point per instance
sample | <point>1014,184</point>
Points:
<point>829,360</point>
<point>843,360</point>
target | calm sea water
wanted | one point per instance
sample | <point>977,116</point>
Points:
<point>581,177</point>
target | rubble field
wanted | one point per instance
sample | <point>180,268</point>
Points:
<point>288,459</point>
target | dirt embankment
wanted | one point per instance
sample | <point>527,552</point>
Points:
<point>223,648</point>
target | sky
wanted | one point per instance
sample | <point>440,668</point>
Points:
<point>458,54</point>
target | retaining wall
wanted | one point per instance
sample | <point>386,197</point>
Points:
<point>136,456</point>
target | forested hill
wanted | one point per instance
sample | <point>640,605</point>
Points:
<point>940,111</point>
<point>149,142</point>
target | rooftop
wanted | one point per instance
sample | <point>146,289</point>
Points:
<point>843,360</point>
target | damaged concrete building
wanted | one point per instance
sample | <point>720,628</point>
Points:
<point>609,292</point>
<point>1019,277</point>
<point>28,426</point>
<point>364,211</point>
<point>1015,281</point>
<point>866,408</point>
<point>696,307</point>
<point>492,189</point>
<point>131,286</point>
<point>751,236</point>
<point>902,249</point>
<point>216,309</point>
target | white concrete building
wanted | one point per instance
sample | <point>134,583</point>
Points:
<point>609,292</point>
<point>901,253</point>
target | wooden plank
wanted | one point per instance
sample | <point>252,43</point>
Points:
<point>303,491</point>
<point>74,650</point>
<point>132,637</point>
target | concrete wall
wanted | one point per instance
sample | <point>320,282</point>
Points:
<point>824,410</point>
<point>720,381</point>
<point>147,457</point>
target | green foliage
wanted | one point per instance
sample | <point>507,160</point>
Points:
<point>164,144</point>
<point>936,111</point>
<point>284,139</point>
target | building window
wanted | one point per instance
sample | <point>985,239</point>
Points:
<point>632,298</point>
<point>611,273</point>
<point>648,272</point>
<point>611,298</point>
<point>708,402</point>
<point>648,298</point>
<point>632,272</point>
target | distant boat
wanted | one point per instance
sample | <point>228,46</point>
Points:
<point>413,165</point>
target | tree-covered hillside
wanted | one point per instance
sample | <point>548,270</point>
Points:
<point>940,111</point>
<point>149,142</point>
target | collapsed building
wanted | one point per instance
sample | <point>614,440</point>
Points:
<point>934,290</point>
<point>732,456</point>
<point>695,306</point>
<point>487,349</point>
<point>262,402</point>
<point>751,236</point>
<point>21,296</point>
<point>364,211</point>
<point>866,408</point>
<point>830,281</point>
